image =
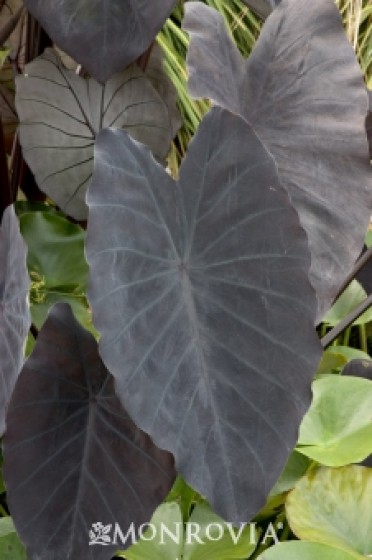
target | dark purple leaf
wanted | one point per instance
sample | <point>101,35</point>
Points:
<point>359,368</point>
<point>14,311</point>
<point>262,7</point>
<point>61,114</point>
<point>105,36</point>
<point>303,92</point>
<point>72,455</point>
<point>202,288</point>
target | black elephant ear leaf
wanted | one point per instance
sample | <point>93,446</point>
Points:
<point>203,281</point>
<point>123,29</point>
<point>61,114</point>
<point>14,310</point>
<point>303,92</point>
<point>262,7</point>
<point>88,466</point>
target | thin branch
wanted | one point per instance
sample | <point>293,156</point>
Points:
<point>346,322</point>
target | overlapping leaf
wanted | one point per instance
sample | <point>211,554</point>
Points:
<point>303,93</point>
<point>14,313</point>
<point>61,114</point>
<point>333,506</point>
<point>202,287</point>
<point>337,430</point>
<point>262,7</point>
<point>87,462</point>
<point>105,36</point>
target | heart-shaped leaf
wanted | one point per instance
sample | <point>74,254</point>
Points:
<point>105,36</point>
<point>14,312</point>
<point>262,7</point>
<point>337,430</point>
<point>303,92</point>
<point>87,463</point>
<point>209,278</point>
<point>333,506</point>
<point>61,113</point>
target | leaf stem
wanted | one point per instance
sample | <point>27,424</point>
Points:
<point>346,322</point>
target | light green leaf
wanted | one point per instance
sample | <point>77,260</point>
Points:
<point>11,547</point>
<point>353,296</point>
<point>300,550</point>
<point>217,538</point>
<point>295,468</point>
<point>337,430</point>
<point>350,353</point>
<point>334,507</point>
<point>332,362</point>
<point>162,547</point>
<point>56,264</point>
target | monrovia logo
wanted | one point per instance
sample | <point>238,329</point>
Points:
<point>188,533</point>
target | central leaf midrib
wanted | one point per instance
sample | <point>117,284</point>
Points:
<point>195,328</point>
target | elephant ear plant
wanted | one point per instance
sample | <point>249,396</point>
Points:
<point>204,291</point>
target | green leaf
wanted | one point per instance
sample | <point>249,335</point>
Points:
<point>298,550</point>
<point>333,506</point>
<point>332,362</point>
<point>184,495</point>
<point>221,541</point>
<point>337,430</point>
<point>11,547</point>
<point>353,296</point>
<point>162,547</point>
<point>56,263</point>
<point>350,353</point>
<point>4,52</point>
<point>55,249</point>
<point>295,468</point>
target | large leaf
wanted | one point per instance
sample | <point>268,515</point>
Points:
<point>262,7</point>
<point>333,506</point>
<point>337,430</point>
<point>209,278</point>
<point>61,113</point>
<point>87,462</point>
<point>105,36</point>
<point>14,313</point>
<point>303,92</point>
